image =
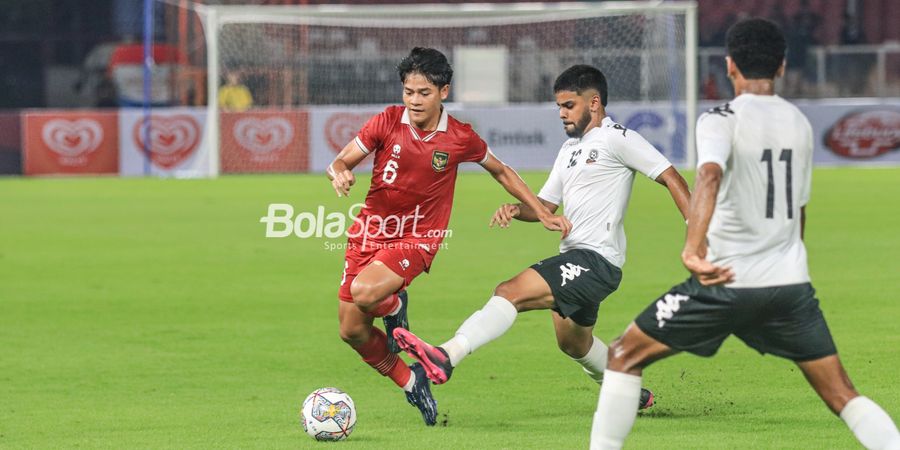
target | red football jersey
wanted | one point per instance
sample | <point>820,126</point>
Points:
<point>413,177</point>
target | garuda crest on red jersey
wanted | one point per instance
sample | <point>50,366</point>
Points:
<point>439,160</point>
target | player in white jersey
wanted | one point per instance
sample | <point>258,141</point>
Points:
<point>745,232</point>
<point>592,176</point>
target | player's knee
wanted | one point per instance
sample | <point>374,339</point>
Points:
<point>504,290</point>
<point>364,296</point>
<point>509,291</point>
<point>354,335</point>
<point>620,357</point>
<point>574,346</point>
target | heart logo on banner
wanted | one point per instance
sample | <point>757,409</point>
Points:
<point>172,138</point>
<point>72,138</point>
<point>865,134</point>
<point>341,128</point>
<point>263,135</point>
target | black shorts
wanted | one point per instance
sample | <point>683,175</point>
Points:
<point>579,280</point>
<point>782,320</point>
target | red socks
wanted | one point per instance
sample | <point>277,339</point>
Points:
<point>387,306</point>
<point>375,353</point>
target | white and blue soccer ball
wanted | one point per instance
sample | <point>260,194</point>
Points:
<point>328,414</point>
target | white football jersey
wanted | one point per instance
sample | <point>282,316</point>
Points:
<point>764,145</point>
<point>592,177</point>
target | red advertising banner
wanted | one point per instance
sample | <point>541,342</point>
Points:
<point>264,141</point>
<point>865,134</point>
<point>333,127</point>
<point>70,142</point>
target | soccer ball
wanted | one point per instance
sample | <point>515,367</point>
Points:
<point>328,414</point>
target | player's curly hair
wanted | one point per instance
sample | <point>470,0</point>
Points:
<point>580,78</point>
<point>757,47</point>
<point>431,63</point>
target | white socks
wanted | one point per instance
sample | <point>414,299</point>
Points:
<point>620,394</point>
<point>412,382</point>
<point>594,362</point>
<point>397,308</point>
<point>872,426</point>
<point>618,405</point>
<point>490,322</point>
<point>493,320</point>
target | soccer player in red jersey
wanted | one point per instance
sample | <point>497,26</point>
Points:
<point>417,149</point>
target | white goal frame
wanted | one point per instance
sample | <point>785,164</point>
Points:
<point>452,15</point>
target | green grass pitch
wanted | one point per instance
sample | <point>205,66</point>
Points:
<point>146,313</point>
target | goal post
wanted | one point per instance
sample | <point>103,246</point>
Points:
<point>504,55</point>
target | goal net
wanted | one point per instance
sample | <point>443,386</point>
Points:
<point>317,72</point>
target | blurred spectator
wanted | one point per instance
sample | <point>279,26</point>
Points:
<point>851,31</point>
<point>718,36</point>
<point>778,16</point>
<point>234,96</point>
<point>853,68</point>
<point>128,19</point>
<point>710,88</point>
<point>107,96</point>
<point>801,35</point>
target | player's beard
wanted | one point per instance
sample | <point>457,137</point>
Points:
<point>578,127</point>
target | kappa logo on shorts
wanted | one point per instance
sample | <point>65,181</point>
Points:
<point>570,272</point>
<point>667,306</point>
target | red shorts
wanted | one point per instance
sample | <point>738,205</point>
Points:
<point>404,258</point>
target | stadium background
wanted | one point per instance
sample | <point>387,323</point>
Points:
<point>152,313</point>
